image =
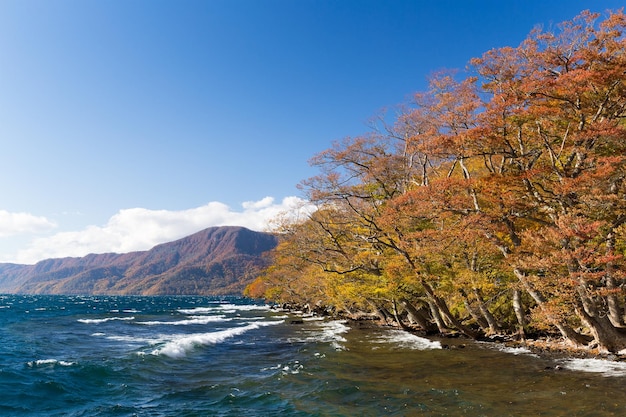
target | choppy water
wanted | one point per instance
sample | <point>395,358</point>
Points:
<point>198,356</point>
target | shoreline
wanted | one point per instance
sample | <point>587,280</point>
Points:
<point>545,347</point>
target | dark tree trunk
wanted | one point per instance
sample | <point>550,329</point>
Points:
<point>417,317</point>
<point>445,312</point>
<point>608,337</point>
<point>381,312</point>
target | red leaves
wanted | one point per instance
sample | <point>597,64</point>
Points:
<point>520,171</point>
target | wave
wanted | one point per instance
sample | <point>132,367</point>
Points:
<point>602,366</point>
<point>188,321</point>
<point>198,310</point>
<point>246,307</point>
<point>518,351</point>
<point>48,362</point>
<point>332,330</point>
<point>228,307</point>
<point>326,332</point>
<point>98,321</point>
<point>408,340</point>
<point>133,340</point>
<point>180,346</point>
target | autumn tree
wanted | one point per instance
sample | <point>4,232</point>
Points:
<point>553,126</point>
<point>490,197</point>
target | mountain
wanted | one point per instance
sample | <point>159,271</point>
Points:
<point>214,261</point>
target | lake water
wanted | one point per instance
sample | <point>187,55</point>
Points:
<point>200,356</point>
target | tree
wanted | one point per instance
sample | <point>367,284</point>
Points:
<point>508,181</point>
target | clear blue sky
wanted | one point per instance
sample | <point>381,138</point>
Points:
<point>128,122</point>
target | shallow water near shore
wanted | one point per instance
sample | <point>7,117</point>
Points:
<point>201,356</point>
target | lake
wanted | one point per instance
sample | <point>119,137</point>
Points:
<point>203,356</point>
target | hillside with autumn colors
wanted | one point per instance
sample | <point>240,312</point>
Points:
<point>215,261</point>
<point>493,204</point>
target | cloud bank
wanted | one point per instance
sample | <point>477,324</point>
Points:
<point>140,229</point>
<point>12,224</point>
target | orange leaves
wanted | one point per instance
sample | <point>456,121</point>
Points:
<point>520,172</point>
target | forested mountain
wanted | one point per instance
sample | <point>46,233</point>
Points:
<point>494,203</point>
<point>216,261</point>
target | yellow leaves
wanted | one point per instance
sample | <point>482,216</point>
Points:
<point>523,168</point>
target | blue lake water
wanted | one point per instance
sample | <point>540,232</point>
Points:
<point>202,356</point>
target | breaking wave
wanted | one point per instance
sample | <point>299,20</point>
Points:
<point>104,320</point>
<point>408,340</point>
<point>226,307</point>
<point>188,321</point>
<point>181,345</point>
<point>601,366</point>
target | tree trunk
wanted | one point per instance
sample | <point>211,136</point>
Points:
<point>569,335</point>
<point>396,315</point>
<point>615,312</point>
<point>494,327</point>
<point>475,314</point>
<point>434,311</point>
<point>380,312</point>
<point>416,316</point>
<point>608,338</point>
<point>443,309</point>
<point>518,307</point>
<point>612,301</point>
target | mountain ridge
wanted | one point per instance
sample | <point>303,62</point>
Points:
<point>214,261</point>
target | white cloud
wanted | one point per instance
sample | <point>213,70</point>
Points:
<point>12,224</point>
<point>141,229</point>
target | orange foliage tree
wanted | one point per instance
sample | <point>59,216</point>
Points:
<point>491,199</point>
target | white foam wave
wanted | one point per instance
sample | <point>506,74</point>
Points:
<point>50,362</point>
<point>605,367</point>
<point>227,307</point>
<point>246,307</point>
<point>198,310</point>
<point>188,321</point>
<point>410,341</point>
<point>517,351</point>
<point>332,333</point>
<point>179,346</point>
<point>134,340</point>
<point>98,321</point>
<point>293,369</point>
<point>511,350</point>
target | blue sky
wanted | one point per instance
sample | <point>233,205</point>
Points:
<point>126,123</point>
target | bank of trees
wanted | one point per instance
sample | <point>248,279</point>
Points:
<point>494,203</point>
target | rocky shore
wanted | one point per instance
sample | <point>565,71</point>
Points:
<point>544,345</point>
